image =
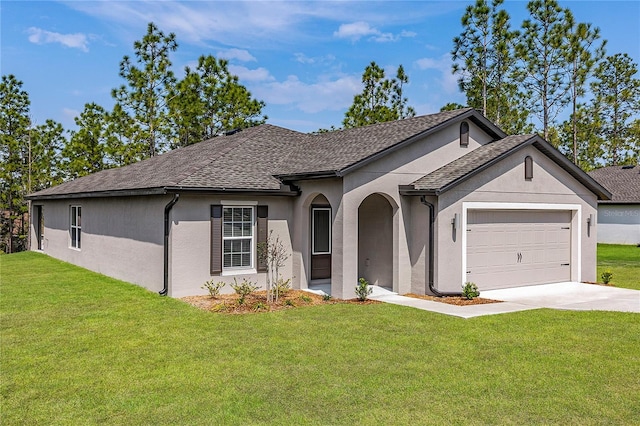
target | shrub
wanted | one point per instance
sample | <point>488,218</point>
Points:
<point>326,297</point>
<point>243,289</point>
<point>470,290</point>
<point>289,302</point>
<point>606,276</point>
<point>305,298</point>
<point>363,290</point>
<point>281,287</point>
<point>214,288</point>
<point>260,307</point>
<point>221,307</point>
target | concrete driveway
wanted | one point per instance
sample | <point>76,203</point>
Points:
<point>570,296</point>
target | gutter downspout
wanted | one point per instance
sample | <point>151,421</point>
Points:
<point>432,220</point>
<point>167,211</point>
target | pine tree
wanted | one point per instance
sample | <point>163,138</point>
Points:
<point>381,100</point>
<point>583,53</point>
<point>14,150</point>
<point>46,168</point>
<point>85,152</point>
<point>616,100</point>
<point>145,96</point>
<point>484,59</point>
<point>542,54</point>
<point>124,144</point>
<point>209,101</point>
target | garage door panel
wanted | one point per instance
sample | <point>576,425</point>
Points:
<point>517,248</point>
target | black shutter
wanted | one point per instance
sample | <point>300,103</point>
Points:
<point>216,240</point>
<point>262,233</point>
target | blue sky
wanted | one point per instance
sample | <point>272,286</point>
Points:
<point>304,59</point>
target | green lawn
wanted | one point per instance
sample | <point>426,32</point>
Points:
<point>80,348</point>
<point>623,261</point>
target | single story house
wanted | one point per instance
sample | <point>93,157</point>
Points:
<point>619,217</point>
<point>418,205</point>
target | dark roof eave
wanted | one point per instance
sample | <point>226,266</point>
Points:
<point>307,175</point>
<point>471,114</point>
<point>411,191</point>
<point>282,191</point>
<point>611,202</point>
<point>98,194</point>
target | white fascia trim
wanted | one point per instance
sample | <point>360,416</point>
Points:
<point>479,205</point>
<point>234,203</point>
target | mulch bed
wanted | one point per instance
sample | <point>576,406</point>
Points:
<point>454,300</point>
<point>257,302</point>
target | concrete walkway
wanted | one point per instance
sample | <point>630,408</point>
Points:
<point>569,296</point>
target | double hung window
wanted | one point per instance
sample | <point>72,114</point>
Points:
<point>75,228</point>
<point>237,237</point>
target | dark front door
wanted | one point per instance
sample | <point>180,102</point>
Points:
<point>320,243</point>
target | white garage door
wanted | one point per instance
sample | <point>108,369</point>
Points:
<point>511,248</point>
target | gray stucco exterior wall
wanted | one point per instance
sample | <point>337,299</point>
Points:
<point>121,237</point>
<point>619,223</point>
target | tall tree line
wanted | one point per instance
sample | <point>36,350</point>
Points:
<point>154,111</point>
<point>550,64</point>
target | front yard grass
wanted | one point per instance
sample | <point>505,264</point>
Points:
<point>623,261</point>
<point>80,348</point>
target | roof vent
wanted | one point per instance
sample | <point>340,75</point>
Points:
<point>232,132</point>
<point>627,167</point>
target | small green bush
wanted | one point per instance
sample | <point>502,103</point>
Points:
<point>470,290</point>
<point>363,290</point>
<point>243,289</point>
<point>289,302</point>
<point>281,287</point>
<point>260,307</point>
<point>606,276</point>
<point>305,298</point>
<point>214,288</point>
<point>326,297</point>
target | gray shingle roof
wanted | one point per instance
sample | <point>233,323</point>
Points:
<point>622,181</point>
<point>258,158</point>
<point>336,151</point>
<point>479,158</point>
<point>250,159</point>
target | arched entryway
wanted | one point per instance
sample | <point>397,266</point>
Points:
<point>375,241</point>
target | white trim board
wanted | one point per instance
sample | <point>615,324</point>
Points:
<point>576,229</point>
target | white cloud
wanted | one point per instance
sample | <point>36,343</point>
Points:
<point>239,54</point>
<point>356,30</point>
<point>251,75</point>
<point>76,41</point>
<point>304,59</point>
<point>447,80</point>
<point>324,95</point>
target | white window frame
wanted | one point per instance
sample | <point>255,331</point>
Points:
<point>230,270</point>
<point>75,212</point>
<point>313,230</point>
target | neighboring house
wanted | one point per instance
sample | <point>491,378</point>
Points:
<point>619,217</point>
<point>419,205</point>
